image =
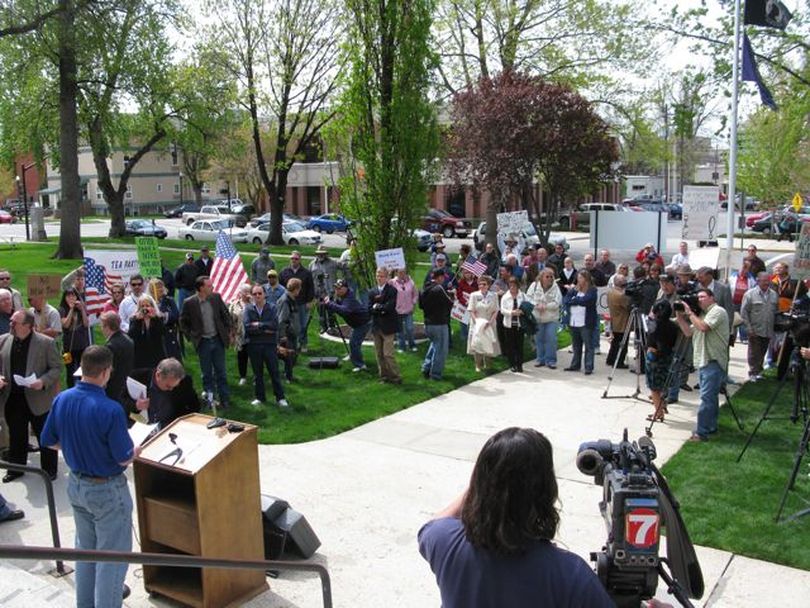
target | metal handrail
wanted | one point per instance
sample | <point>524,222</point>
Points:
<point>166,559</point>
<point>61,570</point>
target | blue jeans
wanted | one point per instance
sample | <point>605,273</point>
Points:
<point>582,336</point>
<point>182,295</point>
<point>212,365</point>
<point>595,335</point>
<point>356,343</point>
<point>437,352</point>
<point>264,355</point>
<point>4,510</point>
<point>103,516</point>
<point>463,332</point>
<point>405,333</point>
<point>545,339</point>
<point>711,377</point>
<point>303,318</point>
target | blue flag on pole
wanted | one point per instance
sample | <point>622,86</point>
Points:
<point>751,74</point>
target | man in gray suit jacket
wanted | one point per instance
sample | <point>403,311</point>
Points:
<point>24,352</point>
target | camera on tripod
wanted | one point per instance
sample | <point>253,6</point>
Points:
<point>795,323</point>
<point>636,502</point>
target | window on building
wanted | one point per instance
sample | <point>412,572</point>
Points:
<point>314,200</point>
<point>177,188</point>
<point>160,187</point>
<point>99,195</point>
<point>129,191</point>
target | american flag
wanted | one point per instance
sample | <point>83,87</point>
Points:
<point>97,288</point>
<point>227,272</point>
<point>475,267</point>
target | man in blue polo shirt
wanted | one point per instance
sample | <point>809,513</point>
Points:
<point>91,430</point>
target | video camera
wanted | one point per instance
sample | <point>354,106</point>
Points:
<point>797,324</point>
<point>689,299</point>
<point>636,502</point>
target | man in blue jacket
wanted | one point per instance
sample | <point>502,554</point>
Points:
<point>356,315</point>
<point>261,329</point>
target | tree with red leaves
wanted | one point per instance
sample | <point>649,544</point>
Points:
<point>513,130</point>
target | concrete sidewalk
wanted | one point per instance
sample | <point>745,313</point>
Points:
<point>367,492</point>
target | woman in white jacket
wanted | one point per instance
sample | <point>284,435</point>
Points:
<point>547,299</point>
<point>513,332</point>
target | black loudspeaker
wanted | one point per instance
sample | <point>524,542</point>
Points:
<point>286,530</point>
<point>324,362</point>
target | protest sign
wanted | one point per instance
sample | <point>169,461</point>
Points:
<point>701,205</point>
<point>46,285</point>
<point>390,258</point>
<point>148,256</point>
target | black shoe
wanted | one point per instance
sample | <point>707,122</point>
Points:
<point>588,372</point>
<point>570,369</point>
<point>125,592</point>
<point>13,515</point>
<point>622,366</point>
<point>426,373</point>
<point>686,387</point>
<point>12,475</point>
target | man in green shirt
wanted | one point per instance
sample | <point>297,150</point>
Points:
<point>709,333</point>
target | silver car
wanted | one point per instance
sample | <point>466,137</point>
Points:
<point>529,234</point>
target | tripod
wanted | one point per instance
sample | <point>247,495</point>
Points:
<point>330,325</point>
<point>797,462</point>
<point>800,398</point>
<point>637,326</point>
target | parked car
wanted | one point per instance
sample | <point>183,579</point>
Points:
<point>529,234</point>
<point>675,211</point>
<point>6,217</point>
<point>581,216</point>
<point>213,212</point>
<point>246,210</point>
<point>207,230</point>
<point>438,220</point>
<point>265,217</point>
<point>751,219</point>
<point>181,209</point>
<point>641,198</point>
<point>423,239</point>
<point>328,223</point>
<point>145,228</point>
<point>293,233</point>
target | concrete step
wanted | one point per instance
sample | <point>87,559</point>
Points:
<point>22,589</point>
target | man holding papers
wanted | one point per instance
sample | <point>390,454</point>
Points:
<point>30,368</point>
<point>162,394</point>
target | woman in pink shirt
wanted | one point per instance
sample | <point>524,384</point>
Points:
<point>407,295</point>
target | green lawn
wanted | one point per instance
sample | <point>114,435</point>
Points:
<point>730,505</point>
<point>324,402</point>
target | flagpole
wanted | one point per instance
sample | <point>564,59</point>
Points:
<point>732,160</point>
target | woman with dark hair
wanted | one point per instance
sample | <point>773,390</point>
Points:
<point>581,304</point>
<point>491,548</point>
<point>512,330</point>
<point>661,337</point>
<point>75,335</point>
<point>171,315</point>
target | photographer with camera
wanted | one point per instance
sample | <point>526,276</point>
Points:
<point>492,546</point>
<point>356,315</point>
<point>148,332</point>
<point>324,272</point>
<point>75,336</point>
<point>758,311</point>
<point>709,333</point>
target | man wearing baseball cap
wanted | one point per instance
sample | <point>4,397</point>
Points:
<point>273,290</point>
<point>357,317</point>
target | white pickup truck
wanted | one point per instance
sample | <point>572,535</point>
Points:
<point>214,212</point>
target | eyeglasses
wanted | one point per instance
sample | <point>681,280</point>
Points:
<point>295,259</point>
<point>5,278</point>
<point>137,283</point>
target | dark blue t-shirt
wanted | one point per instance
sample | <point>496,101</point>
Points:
<point>476,578</point>
<point>91,430</point>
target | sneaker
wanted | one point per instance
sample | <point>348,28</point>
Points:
<point>282,403</point>
<point>359,368</point>
<point>347,358</point>
<point>414,349</point>
<point>256,402</point>
<point>242,381</point>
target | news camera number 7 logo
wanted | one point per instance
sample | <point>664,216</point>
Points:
<point>641,528</point>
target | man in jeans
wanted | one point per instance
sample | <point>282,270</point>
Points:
<point>709,334</point>
<point>91,430</point>
<point>758,311</point>
<point>261,329</point>
<point>205,320</point>
<point>356,315</point>
<point>436,303</point>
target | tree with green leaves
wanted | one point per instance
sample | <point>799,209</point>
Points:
<point>284,55</point>
<point>386,134</point>
<point>514,130</point>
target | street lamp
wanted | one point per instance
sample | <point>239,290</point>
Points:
<point>181,187</point>
<point>25,168</point>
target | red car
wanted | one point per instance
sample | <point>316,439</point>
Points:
<point>6,217</point>
<point>438,220</point>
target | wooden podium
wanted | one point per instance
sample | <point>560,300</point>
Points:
<point>206,504</point>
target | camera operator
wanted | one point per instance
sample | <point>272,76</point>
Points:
<point>642,290</point>
<point>492,546</point>
<point>758,311</point>
<point>661,340</point>
<point>356,315</point>
<point>710,347</point>
<point>324,272</point>
<point>669,293</point>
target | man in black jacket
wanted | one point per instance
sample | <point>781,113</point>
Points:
<point>169,392</point>
<point>382,305</point>
<point>205,321</point>
<point>123,351</point>
<point>436,304</point>
<point>306,295</point>
<point>356,316</point>
<point>204,262</point>
<point>184,278</point>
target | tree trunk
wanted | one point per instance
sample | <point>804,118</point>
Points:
<point>70,245</point>
<point>118,224</point>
